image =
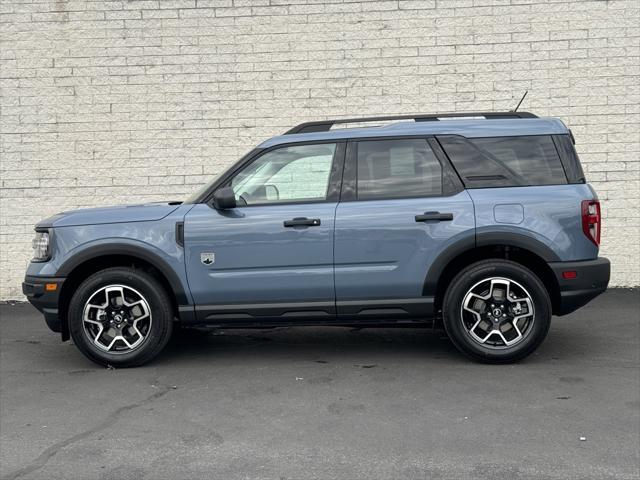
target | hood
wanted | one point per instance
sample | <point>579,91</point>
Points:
<point>119,214</point>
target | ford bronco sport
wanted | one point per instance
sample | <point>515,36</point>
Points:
<point>483,222</point>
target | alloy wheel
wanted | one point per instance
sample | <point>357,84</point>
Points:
<point>117,319</point>
<point>497,313</point>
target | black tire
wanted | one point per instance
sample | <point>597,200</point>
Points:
<point>473,276</point>
<point>159,305</point>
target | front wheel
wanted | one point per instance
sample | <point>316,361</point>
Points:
<point>120,317</point>
<point>496,311</point>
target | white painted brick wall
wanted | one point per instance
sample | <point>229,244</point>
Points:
<point>127,101</point>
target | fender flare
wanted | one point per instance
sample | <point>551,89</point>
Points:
<point>519,240</point>
<point>483,239</point>
<point>130,250</point>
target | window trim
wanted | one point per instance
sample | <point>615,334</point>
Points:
<point>333,187</point>
<point>451,183</point>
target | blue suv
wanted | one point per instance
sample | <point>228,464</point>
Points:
<point>480,222</point>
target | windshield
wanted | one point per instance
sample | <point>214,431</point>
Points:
<point>193,198</point>
<point>197,195</point>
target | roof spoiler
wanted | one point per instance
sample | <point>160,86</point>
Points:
<point>325,125</point>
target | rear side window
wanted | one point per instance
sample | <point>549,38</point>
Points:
<point>505,161</point>
<point>397,168</point>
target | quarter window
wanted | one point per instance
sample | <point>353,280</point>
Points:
<point>397,168</point>
<point>289,174</point>
<point>505,161</point>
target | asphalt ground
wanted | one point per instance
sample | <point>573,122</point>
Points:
<point>334,403</point>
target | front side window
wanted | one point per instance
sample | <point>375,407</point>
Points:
<point>289,174</point>
<point>397,168</point>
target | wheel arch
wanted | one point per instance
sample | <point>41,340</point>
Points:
<point>521,249</point>
<point>77,268</point>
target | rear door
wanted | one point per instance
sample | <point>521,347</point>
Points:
<point>272,256</point>
<point>401,206</point>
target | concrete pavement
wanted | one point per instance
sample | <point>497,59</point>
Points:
<point>326,403</point>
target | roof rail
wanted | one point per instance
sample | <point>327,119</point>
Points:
<point>325,125</point>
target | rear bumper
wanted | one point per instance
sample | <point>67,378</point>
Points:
<point>591,279</point>
<point>45,300</point>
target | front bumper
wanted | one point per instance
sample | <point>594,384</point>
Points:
<point>44,297</point>
<point>591,279</point>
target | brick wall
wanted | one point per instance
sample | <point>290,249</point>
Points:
<point>127,101</point>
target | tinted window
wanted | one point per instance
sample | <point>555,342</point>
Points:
<point>288,174</point>
<point>397,168</point>
<point>569,158</point>
<point>505,161</point>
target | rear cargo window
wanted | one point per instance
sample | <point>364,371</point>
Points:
<point>505,161</point>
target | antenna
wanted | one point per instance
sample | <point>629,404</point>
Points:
<point>518,106</point>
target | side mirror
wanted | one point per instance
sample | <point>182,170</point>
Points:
<point>224,199</point>
<point>271,192</point>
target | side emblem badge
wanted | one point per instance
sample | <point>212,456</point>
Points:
<point>207,258</point>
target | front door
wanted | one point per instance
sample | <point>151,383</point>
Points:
<point>401,206</point>
<point>272,256</point>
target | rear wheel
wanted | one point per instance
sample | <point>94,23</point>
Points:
<point>120,317</point>
<point>496,311</point>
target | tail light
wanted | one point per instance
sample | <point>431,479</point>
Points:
<point>591,220</point>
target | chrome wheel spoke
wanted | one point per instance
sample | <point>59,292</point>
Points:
<point>91,305</point>
<point>137,331</point>
<point>121,337</point>
<point>120,323</point>
<point>492,332</point>
<point>117,289</point>
<point>507,342</point>
<point>99,334</point>
<point>115,339</point>
<point>479,338</point>
<point>499,281</point>
<point>96,322</point>
<point>133,304</point>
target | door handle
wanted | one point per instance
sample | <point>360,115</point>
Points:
<point>302,222</point>
<point>434,216</point>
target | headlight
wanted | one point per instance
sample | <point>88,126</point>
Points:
<point>41,247</point>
